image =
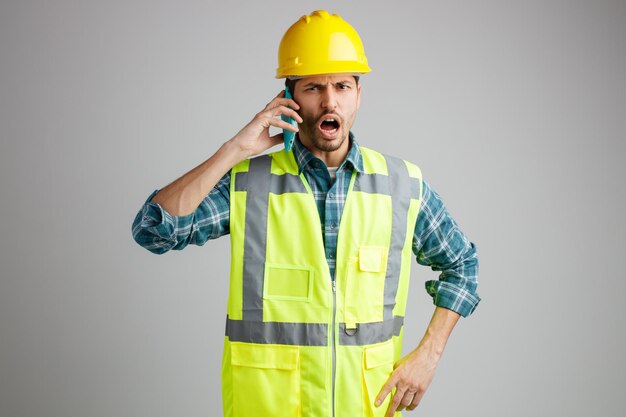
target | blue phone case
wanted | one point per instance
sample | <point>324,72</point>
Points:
<point>288,135</point>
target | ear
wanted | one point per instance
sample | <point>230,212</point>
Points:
<point>358,95</point>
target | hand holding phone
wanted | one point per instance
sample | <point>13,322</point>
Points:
<point>288,135</point>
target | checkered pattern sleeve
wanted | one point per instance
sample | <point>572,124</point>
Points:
<point>439,243</point>
<point>158,231</point>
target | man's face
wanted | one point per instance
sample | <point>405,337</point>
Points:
<point>328,106</point>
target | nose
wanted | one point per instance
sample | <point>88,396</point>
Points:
<point>329,99</point>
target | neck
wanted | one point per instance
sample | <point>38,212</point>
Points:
<point>331,158</point>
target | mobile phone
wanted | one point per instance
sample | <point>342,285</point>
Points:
<point>288,135</point>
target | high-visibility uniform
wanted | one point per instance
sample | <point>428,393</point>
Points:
<point>298,343</point>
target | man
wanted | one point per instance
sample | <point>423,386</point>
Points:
<point>322,239</point>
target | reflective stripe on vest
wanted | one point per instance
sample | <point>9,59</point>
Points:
<point>401,188</point>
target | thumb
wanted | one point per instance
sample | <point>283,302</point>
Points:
<point>277,139</point>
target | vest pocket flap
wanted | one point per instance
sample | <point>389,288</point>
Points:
<point>376,356</point>
<point>371,258</point>
<point>265,357</point>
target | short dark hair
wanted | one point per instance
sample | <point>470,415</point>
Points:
<point>291,83</point>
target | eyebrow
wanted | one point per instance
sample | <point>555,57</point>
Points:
<point>313,84</point>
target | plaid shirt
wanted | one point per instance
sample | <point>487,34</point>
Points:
<point>438,242</point>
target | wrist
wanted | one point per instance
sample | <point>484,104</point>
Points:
<point>232,153</point>
<point>432,344</point>
<point>439,330</point>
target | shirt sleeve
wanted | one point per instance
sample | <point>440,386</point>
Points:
<point>439,243</point>
<point>158,231</point>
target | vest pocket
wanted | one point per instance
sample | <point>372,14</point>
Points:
<point>365,285</point>
<point>377,367</point>
<point>287,282</point>
<point>266,380</point>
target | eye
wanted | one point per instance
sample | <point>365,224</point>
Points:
<point>342,86</point>
<point>313,88</point>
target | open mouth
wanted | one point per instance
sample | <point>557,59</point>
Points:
<point>329,126</point>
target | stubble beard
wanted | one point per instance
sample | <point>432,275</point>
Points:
<point>308,128</point>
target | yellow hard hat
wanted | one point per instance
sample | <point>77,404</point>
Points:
<point>320,43</point>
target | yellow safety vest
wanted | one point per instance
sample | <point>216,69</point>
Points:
<point>297,343</point>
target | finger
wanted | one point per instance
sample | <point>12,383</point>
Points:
<point>282,110</point>
<point>288,102</point>
<point>277,139</point>
<point>391,409</point>
<point>279,111</point>
<point>395,403</point>
<point>292,103</point>
<point>416,400</point>
<point>273,102</point>
<point>385,390</point>
<point>281,124</point>
<point>281,101</point>
<point>406,401</point>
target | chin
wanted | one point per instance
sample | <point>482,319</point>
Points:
<point>328,145</point>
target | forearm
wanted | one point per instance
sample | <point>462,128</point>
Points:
<point>183,196</point>
<point>437,333</point>
<point>195,207</point>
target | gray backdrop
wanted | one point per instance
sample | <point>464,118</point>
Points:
<point>515,112</point>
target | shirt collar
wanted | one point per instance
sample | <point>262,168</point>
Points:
<point>305,158</point>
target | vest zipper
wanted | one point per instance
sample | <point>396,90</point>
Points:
<point>334,342</point>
